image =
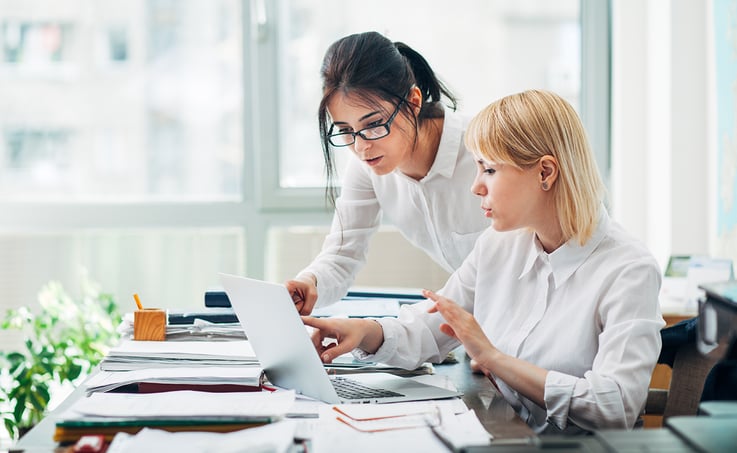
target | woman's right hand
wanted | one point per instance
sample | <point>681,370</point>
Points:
<point>304,294</point>
<point>343,336</point>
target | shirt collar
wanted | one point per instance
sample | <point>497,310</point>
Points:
<point>570,256</point>
<point>449,147</point>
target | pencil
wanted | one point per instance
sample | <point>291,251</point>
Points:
<point>138,301</point>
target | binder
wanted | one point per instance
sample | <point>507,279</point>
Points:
<point>216,298</point>
<point>71,430</point>
<point>221,315</point>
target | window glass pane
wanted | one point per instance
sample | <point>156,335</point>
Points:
<point>482,49</point>
<point>134,99</point>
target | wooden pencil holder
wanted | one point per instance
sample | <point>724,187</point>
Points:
<point>149,324</point>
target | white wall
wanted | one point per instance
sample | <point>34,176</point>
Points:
<point>661,151</point>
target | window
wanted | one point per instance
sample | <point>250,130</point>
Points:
<point>482,49</point>
<point>179,133</point>
<point>137,100</point>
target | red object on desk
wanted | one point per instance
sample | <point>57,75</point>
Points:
<point>90,444</point>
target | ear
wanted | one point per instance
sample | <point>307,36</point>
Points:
<point>414,98</point>
<point>548,166</point>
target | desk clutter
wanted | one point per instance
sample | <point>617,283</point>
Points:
<point>190,393</point>
<point>196,329</point>
<point>203,389</point>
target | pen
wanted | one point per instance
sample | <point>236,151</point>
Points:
<point>435,424</point>
<point>138,301</point>
<point>440,434</point>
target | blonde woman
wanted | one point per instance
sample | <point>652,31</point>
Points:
<point>556,302</point>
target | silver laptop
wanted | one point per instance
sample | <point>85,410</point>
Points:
<point>289,359</point>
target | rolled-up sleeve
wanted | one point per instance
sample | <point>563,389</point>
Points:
<point>411,339</point>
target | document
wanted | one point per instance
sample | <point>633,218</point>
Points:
<point>183,404</point>
<point>427,426</point>
<point>276,437</point>
<point>133,355</point>
<point>248,377</point>
<point>360,308</point>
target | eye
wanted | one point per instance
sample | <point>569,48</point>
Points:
<point>344,130</point>
<point>484,168</point>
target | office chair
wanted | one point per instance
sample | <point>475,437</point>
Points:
<point>689,371</point>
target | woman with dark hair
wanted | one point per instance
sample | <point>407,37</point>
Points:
<point>382,101</point>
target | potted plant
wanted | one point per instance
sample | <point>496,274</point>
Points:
<point>64,340</point>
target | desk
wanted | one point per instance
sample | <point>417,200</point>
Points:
<point>495,414</point>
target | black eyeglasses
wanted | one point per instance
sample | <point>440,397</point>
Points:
<point>367,133</point>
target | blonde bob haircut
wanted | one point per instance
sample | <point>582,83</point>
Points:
<point>520,129</point>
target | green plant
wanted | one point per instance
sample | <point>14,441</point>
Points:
<point>64,340</point>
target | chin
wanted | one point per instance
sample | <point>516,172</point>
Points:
<point>381,171</point>
<point>499,226</point>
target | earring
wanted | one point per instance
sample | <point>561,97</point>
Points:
<point>545,186</point>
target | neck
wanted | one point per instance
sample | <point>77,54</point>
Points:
<point>425,150</point>
<point>550,235</point>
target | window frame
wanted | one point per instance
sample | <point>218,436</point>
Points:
<point>595,98</point>
<point>264,204</point>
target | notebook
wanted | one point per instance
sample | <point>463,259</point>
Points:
<point>289,359</point>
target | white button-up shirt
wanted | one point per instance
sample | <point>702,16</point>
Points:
<point>589,314</point>
<point>437,214</point>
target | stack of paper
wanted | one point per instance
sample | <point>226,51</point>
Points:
<point>212,379</point>
<point>134,355</point>
<point>110,413</point>
<point>276,438</point>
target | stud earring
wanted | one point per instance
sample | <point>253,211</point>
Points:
<point>545,186</point>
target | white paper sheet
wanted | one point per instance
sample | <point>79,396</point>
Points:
<point>275,437</point>
<point>108,380</point>
<point>183,404</point>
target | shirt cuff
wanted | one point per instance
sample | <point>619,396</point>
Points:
<point>387,348</point>
<point>558,393</point>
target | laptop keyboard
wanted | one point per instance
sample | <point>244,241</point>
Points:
<point>353,390</point>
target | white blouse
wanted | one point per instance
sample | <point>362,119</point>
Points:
<point>589,314</point>
<point>438,214</point>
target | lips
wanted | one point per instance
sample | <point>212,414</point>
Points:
<point>374,160</point>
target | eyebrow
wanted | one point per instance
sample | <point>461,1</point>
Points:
<point>368,115</point>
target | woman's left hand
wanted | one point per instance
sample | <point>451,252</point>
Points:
<point>461,325</point>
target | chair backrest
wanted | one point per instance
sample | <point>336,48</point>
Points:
<point>690,369</point>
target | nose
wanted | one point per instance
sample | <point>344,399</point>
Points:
<point>478,188</point>
<point>361,144</point>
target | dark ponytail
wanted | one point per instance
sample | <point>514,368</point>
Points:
<point>370,67</point>
<point>430,86</point>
